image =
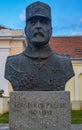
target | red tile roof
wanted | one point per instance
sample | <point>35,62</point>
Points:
<point>71,45</point>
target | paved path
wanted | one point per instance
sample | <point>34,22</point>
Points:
<point>76,127</point>
<point>4,127</point>
<point>73,127</point>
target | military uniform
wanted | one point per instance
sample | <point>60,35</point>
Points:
<point>38,73</point>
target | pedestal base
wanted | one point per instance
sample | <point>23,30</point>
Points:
<point>40,110</point>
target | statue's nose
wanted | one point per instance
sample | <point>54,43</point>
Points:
<point>38,24</point>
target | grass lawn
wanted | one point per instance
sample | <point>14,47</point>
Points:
<point>76,117</point>
<point>4,118</point>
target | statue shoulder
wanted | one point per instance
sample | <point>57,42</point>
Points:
<point>11,68</point>
<point>62,58</point>
<point>67,65</point>
<point>13,59</point>
<point>12,63</point>
<point>64,62</point>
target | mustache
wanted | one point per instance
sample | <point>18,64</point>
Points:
<point>38,33</point>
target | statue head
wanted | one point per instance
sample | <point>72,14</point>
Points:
<point>38,23</point>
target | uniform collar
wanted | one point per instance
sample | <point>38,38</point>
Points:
<point>35,52</point>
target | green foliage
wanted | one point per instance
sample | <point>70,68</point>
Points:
<point>76,117</point>
<point>4,118</point>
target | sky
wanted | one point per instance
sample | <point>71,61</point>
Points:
<point>66,15</point>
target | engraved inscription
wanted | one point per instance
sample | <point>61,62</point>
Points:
<point>39,108</point>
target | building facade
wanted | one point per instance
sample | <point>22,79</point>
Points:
<point>73,47</point>
<point>13,42</point>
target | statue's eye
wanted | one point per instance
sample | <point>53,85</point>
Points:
<point>33,21</point>
<point>44,21</point>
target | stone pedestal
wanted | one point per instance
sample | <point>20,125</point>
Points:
<point>40,110</point>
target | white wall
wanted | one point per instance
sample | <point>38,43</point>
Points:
<point>3,82</point>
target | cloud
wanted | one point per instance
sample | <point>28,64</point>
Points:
<point>22,16</point>
<point>77,33</point>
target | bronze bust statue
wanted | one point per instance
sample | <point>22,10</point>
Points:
<point>38,68</point>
